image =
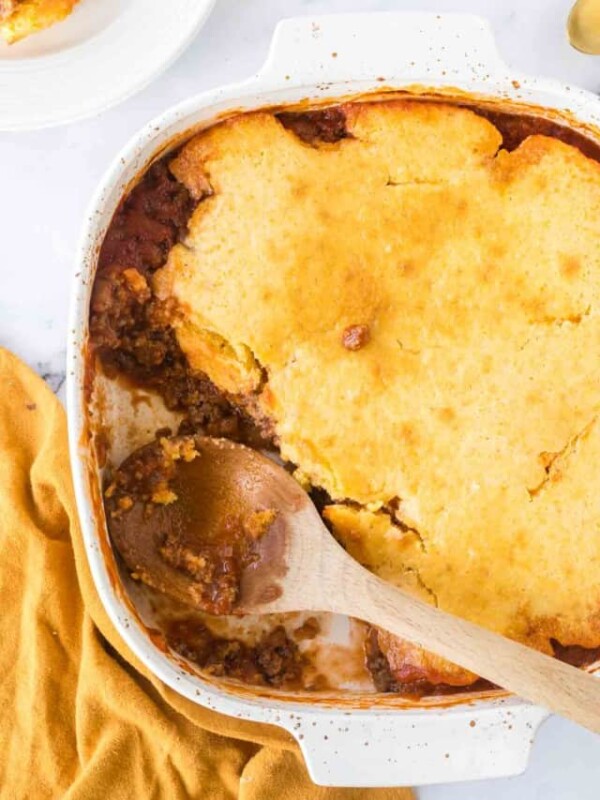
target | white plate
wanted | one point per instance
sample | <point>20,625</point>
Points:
<point>101,54</point>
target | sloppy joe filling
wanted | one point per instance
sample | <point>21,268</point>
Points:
<point>274,660</point>
<point>132,336</point>
<point>175,527</point>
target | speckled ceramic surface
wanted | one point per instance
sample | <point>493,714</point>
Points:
<point>315,58</point>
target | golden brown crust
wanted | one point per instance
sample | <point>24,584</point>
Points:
<point>7,7</point>
<point>472,410</point>
<point>410,664</point>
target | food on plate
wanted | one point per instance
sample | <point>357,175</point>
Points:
<point>21,18</point>
<point>400,298</point>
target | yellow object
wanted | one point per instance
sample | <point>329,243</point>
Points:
<point>81,717</point>
<point>32,16</point>
<point>472,408</point>
<point>583,26</point>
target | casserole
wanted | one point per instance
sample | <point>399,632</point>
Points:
<point>415,742</point>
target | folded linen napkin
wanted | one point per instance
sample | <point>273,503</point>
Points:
<point>80,717</point>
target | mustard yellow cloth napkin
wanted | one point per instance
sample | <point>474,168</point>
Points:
<point>80,717</point>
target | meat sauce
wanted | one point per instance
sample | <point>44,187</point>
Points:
<point>274,660</point>
<point>130,329</point>
<point>175,529</point>
<point>131,336</point>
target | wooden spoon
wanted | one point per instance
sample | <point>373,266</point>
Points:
<point>296,565</point>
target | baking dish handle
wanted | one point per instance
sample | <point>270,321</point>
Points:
<point>383,46</point>
<point>419,748</point>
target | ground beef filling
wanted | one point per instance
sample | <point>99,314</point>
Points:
<point>132,337</point>
<point>130,329</point>
<point>273,661</point>
<point>169,533</point>
<point>515,128</point>
<point>325,126</point>
<point>575,655</point>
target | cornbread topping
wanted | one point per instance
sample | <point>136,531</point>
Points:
<point>407,310</point>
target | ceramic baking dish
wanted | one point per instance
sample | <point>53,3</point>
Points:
<point>351,739</point>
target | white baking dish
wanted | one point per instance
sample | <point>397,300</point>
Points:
<point>345,741</point>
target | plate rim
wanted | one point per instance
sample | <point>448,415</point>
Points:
<point>111,94</point>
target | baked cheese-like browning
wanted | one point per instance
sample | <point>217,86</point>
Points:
<point>21,18</point>
<point>464,428</point>
<point>7,7</point>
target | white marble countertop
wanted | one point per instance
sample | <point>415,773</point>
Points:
<point>47,178</point>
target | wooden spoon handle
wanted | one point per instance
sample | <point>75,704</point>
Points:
<point>564,689</point>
